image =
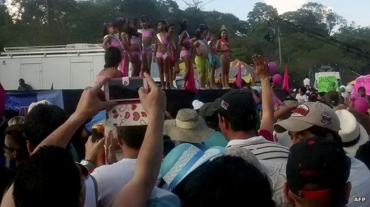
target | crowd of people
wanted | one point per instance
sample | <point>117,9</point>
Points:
<point>243,149</point>
<point>135,37</point>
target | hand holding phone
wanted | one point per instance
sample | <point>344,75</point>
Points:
<point>124,89</point>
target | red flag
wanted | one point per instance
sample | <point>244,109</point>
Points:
<point>52,86</point>
<point>190,83</point>
<point>239,76</point>
<point>286,79</point>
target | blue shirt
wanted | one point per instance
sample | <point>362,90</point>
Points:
<point>96,119</point>
<point>216,139</point>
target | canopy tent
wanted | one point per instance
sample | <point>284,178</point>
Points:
<point>233,72</point>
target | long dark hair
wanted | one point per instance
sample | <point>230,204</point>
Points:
<point>169,26</point>
<point>144,18</point>
<point>164,22</point>
<point>106,26</point>
<point>200,30</point>
<point>130,31</point>
<point>219,37</point>
<point>183,26</point>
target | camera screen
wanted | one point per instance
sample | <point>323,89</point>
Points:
<point>117,91</point>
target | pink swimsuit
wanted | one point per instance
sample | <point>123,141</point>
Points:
<point>187,52</point>
<point>164,41</point>
<point>115,42</point>
<point>136,41</point>
<point>147,33</point>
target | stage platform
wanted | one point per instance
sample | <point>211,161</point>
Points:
<point>70,98</point>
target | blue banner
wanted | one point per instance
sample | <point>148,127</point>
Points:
<point>20,102</point>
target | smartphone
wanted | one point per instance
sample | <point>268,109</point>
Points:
<point>124,89</point>
<point>97,132</point>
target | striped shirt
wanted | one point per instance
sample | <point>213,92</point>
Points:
<point>360,181</point>
<point>262,148</point>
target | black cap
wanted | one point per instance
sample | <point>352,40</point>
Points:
<point>318,161</point>
<point>209,115</point>
<point>237,105</point>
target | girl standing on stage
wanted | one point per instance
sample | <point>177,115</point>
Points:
<point>214,59</point>
<point>223,47</point>
<point>110,40</point>
<point>186,45</point>
<point>175,53</point>
<point>201,58</point>
<point>161,53</point>
<point>134,41</point>
<point>147,35</point>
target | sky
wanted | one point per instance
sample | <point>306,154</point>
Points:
<point>355,10</point>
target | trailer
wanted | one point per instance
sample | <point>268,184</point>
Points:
<point>72,66</point>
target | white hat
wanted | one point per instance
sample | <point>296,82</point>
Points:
<point>307,115</point>
<point>197,104</point>
<point>353,134</point>
<point>163,198</point>
<point>43,102</point>
<point>258,89</point>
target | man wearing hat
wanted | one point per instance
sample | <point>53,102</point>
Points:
<point>312,119</point>
<point>317,174</point>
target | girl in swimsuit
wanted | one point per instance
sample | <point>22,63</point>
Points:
<point>110,40</point>
<point>223,47</point>
<point>214,59</point>
<point>201,58</point>
<point>134,42</point>
<point>122,28</point>
<point>147,35</point>
<point>161,53</point>
<point>186,45</point>
<point>175,53</point>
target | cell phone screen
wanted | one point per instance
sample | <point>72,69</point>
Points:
<point>118,91</point>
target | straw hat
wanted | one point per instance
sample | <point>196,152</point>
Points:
<point>353,134</point>
<point>187,127</point>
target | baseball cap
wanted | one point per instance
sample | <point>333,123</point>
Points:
<point>317,161</point>
<point>237,104</point>
<point>209,115</point>
<point>307,115</point>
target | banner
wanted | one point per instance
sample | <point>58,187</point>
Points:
<point>19,102</point>
<point>363,81</point>
<point>327,83</point>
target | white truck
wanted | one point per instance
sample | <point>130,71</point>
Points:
<point>72,66</point>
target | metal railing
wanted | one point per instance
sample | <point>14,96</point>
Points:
<point>54,49</point>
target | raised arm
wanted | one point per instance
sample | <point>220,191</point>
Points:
<point>89,105</point>
<point>261,69</point>
<point>137,192</point>
<point>106,42</point>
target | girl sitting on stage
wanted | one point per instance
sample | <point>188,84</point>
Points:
<point>147,35</point>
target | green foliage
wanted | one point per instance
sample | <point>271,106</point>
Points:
<point>47,22</point>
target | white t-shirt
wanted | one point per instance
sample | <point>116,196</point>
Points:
<point>262,148</point>
<point>111,178</point>
<point>277,176</point>
<point>301,98</point>
<point>306,82</point>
